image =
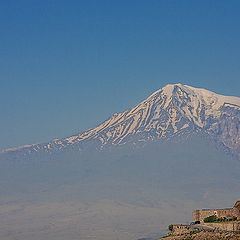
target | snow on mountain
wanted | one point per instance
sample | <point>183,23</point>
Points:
<point>175,109</point>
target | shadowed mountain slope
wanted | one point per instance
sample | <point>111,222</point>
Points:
<point>125,192</point>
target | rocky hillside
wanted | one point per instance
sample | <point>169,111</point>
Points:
<point>205,236</point>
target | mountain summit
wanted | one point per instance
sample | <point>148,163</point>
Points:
<point>173,110</point>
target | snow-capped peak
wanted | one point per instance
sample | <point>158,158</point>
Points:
<point>171,110</point>
<point>164,109</point>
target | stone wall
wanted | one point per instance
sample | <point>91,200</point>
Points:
<point>224,226</point>
<point>179,229</point>
<point>199,215</point>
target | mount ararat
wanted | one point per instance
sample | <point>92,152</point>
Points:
<point>131,176</point>
<point>174,110</point>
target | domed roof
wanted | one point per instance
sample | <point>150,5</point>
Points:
<point>237,204</point>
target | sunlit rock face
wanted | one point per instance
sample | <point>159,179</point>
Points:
<point>174,110</point>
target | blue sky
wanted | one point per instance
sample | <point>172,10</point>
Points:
<point>66,66</point>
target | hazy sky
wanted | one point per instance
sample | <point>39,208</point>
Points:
<point>67,65</point>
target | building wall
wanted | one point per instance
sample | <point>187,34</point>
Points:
<point>236,209</point>
<point>224,226</point>
<point>199,215</point>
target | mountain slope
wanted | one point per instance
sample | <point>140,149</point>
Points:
<point>120,193</point>
<point>171,111</point>
<point>125,191</point>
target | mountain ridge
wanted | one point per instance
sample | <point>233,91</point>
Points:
<point>172,110</point>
